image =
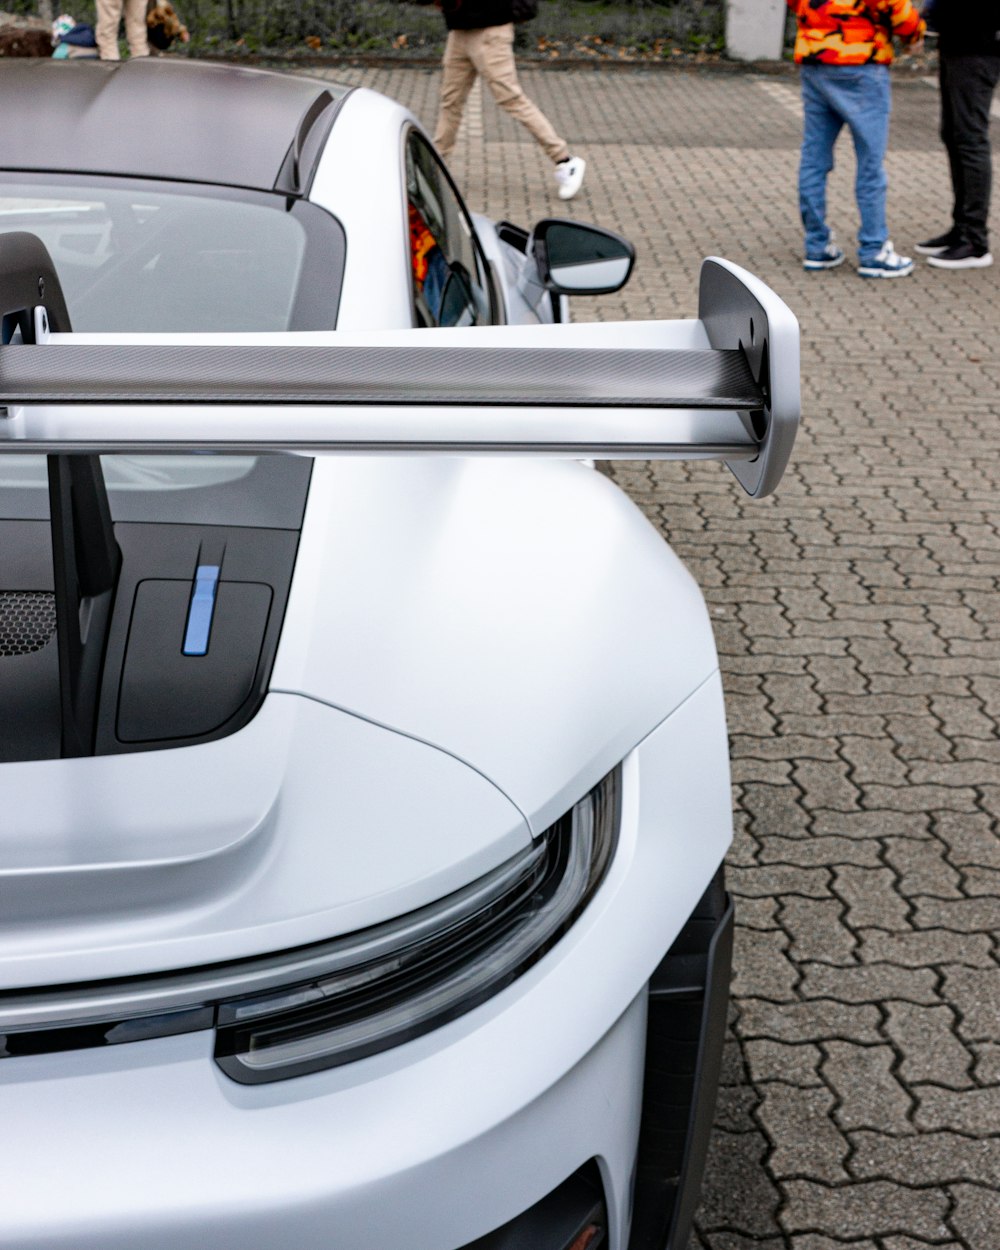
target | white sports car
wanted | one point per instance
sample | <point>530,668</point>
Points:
<point>362,807</point>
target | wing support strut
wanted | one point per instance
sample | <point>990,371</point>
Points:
<point>85,556</point>
<point>85,561</point>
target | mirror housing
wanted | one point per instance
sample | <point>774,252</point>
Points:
<point>574,258</point>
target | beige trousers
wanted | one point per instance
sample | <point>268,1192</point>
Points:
<point>109,14</point>
<point>490,53</point>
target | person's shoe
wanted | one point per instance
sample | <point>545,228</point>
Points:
<point>887,264</point>
<point>830,257</point>
<point>569,175</point>
<point>961,256</point>
<point>940,243</point>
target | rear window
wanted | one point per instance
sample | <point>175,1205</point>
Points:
<point>149,257</point>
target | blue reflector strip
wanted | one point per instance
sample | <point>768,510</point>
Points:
<point>199,622</point>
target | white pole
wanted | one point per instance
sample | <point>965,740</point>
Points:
<point>755,29</point>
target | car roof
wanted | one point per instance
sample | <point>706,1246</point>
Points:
<point>166,119</point>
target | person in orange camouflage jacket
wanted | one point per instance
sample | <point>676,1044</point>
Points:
<point>844,49</point>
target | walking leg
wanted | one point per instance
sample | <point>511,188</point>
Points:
<point>457,76</point>
<point>495,61</point>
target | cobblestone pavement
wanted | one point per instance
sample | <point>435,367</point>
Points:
<point>859,629</point>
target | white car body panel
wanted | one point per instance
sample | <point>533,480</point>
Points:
<point>365,194</point>
<point>498,562</point>
<point>517,1090</point>
<point>305,824</point>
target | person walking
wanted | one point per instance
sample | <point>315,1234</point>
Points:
<point>844,49</point>
<point>968,72</point>
<point>481,41</point>
<point>109,16</point>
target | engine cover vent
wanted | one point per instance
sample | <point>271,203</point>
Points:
<point>27,621</point>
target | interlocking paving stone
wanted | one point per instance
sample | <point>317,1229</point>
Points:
<point>873,759</point>
<point>976,997</point>
<point>927,947</point>
<point>977,1214</point>
<point>806,1140</point>
<point>809,1022</point>
<point>981,881</point>
<point>921,798</point>
<point>815,1241</point>
<point>813,851</point>
<point>972,840</point>
<point>872,898</point>
<point>871,983</point>
<point>758,913</point>
<point>864,1207</point>
<point>868,1092</point>
<point>864,824</point>
<point>922,867</point>
<point>858,634</point>
<point>782,746</point>
<point>763,969</point>
<point>974,1111</point>
<point>817,928</point>
<point>912,1243</point>
<point>780,879</point>
<point>930,1159</point>
<point>930,1048</point>
<point>796,1063</point>
<point>965,915</point>
<point>987,1065</point>
<point>827,785</point>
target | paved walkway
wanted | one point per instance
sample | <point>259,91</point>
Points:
<point>858,622</point>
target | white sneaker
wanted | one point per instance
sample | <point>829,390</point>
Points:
<point>830,257</point>
<point>887,264</point>
<point>569,175</point>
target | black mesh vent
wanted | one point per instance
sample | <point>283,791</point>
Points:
<point>27,620</point>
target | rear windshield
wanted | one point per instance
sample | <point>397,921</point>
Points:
<point>133,256</point>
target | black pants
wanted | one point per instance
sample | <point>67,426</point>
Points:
<point>967,84</point>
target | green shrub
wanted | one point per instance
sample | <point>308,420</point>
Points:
<point>398,27</point>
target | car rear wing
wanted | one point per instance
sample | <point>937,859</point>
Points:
<point>724,386</point>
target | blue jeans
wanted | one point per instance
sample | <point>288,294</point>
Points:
<point>834,96</point>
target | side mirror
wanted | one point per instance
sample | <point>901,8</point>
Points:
<point>576,259</point>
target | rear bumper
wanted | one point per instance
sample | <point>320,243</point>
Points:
<point>446,1139</point>
<point>156,1149</point>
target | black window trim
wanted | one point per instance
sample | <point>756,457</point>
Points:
<point>497,311</point>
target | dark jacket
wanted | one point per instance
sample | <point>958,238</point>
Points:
<point>966,27</point>
<point>476,14</point>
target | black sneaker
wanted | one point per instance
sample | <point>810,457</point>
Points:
<point>961,256</point>
<point>939,244</point>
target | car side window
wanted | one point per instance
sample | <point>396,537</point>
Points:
<point>447,273</point>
